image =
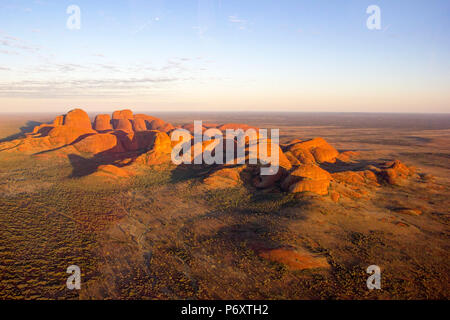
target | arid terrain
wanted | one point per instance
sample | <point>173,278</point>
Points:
<point>102,194</point>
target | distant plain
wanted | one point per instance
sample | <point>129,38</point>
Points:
<point>181,241</point>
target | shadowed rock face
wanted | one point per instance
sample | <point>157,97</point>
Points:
<point>123,124</point>
<point>139,124</point>
<point>98,143</point>
<point>160,150</point>
<point>396,172</point>
<point>102,122</point>
<point>156,124</point>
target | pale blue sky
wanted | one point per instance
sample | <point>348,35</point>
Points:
<point>217,55</point>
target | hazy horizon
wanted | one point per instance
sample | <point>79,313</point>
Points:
<point>213,55</point>
<point>156,111</point>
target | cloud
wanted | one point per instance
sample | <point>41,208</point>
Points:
<point>13,53</point>
<point>235,19</point>
<point>241,23</point>
<point>85,87</point>
<point>16,43</point>
<point>69,67</point>
<point>52,78</point>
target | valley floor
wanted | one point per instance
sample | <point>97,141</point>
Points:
<point>164,235</point>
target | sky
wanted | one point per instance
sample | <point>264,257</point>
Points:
<point>219,55</point>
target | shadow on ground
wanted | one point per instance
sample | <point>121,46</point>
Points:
<point>27,128</point>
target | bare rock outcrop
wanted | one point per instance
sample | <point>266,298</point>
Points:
<point>77,118</point>
<point>63,135</point>
<point>144,139</point>
<point>98,143</point>
<point>396,172</point>
<point>356,177</point>
<point>123,124</point>
<point>347,156</point>
<point>224,178</point>
<point>102,122</point>
<point>160,150</point>
<point>122,114</point>
<point>308,177</point>
<point>316,150</point>
<point>112,172</point>
<point>139,124</point>
<point>294,258</point>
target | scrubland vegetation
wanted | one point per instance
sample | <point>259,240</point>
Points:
<point>163,234</point>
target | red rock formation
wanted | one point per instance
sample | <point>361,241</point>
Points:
<point>210,125</point>
<point>132,141</point>
<point>160,150</point>
<point>62,135</point>
<point>308,177</point>
<point>396,172</point>
<point>145,117</point>
<point>123,114</point>
<point>112,172</point>
<point>167,127</point>
<point>305,172</point>
<point>315,150</point>
<point>349,177</point>
<point>59,121</point>
<point>102,122</point>
<point>292,159</point>
<point>346,156</point>
<point>190,127</point>
<point>268,181</point>
<point>139,124</point>
<point>156,124</point>
<point>41,130</point>
<point>294,259</point>
<point>224,178</point>
<point>77,118</point>
<point>335,196</point>
<point>98,143</point>
<point>123,124</point>
<point>319,187</point>
<point>73,133</point>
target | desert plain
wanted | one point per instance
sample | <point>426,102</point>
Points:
<point>374,190</point>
